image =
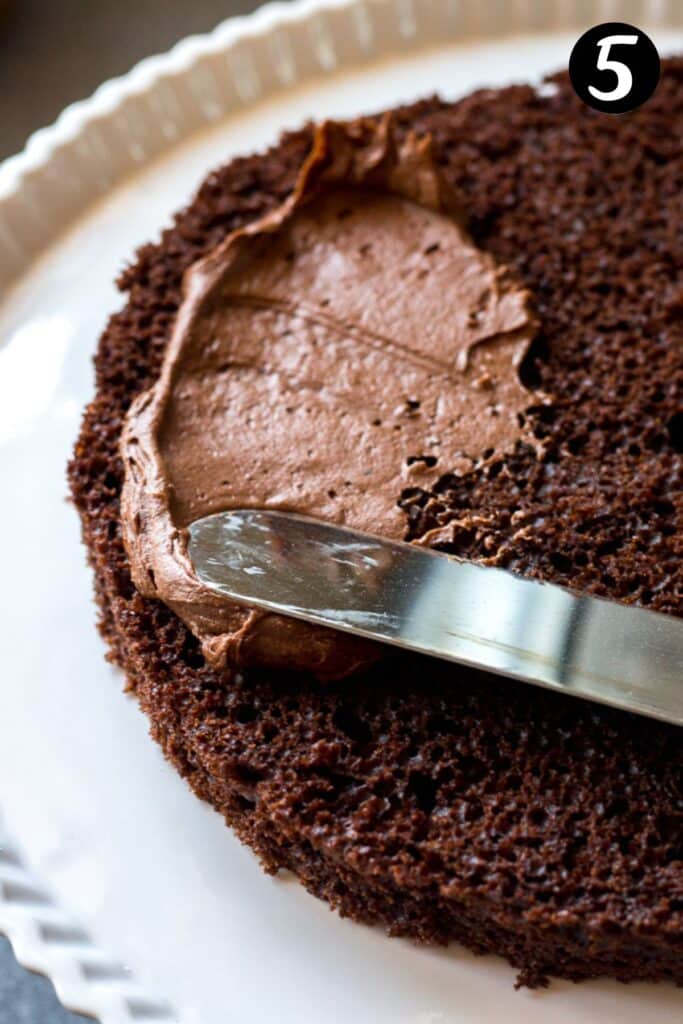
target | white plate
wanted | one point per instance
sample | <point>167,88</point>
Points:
<point>112,833</point>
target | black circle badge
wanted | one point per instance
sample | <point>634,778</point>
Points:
<point>614,67</point>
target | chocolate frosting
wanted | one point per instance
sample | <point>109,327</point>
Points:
<point>351,344</point>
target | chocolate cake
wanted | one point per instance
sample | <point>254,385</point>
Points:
<point>442,803</point>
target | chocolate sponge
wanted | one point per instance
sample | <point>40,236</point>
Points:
<point>444,803</point>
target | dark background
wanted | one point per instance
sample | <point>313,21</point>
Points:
<point>53,52</point>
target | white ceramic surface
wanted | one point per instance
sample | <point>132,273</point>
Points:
<point>108,828</point>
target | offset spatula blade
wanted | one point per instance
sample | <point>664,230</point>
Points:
<point>424,601</point>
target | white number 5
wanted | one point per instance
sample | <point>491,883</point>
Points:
<point>622,71</point>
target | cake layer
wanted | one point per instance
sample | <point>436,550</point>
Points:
<point>445,804</point>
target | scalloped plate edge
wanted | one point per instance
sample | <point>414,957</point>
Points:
<point>92,146</point>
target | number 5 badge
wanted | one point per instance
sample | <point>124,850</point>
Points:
<point>614,67</point>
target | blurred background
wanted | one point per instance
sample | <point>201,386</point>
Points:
<point>53,52</point>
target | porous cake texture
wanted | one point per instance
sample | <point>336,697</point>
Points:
<point>446,804</point>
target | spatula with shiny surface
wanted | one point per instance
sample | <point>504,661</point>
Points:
<point>428,602</point>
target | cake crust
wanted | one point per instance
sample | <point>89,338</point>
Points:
<point>443,803</point>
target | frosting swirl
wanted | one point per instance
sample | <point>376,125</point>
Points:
<point>351,344</point>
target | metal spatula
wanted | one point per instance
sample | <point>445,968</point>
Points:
<point>429,602</point>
